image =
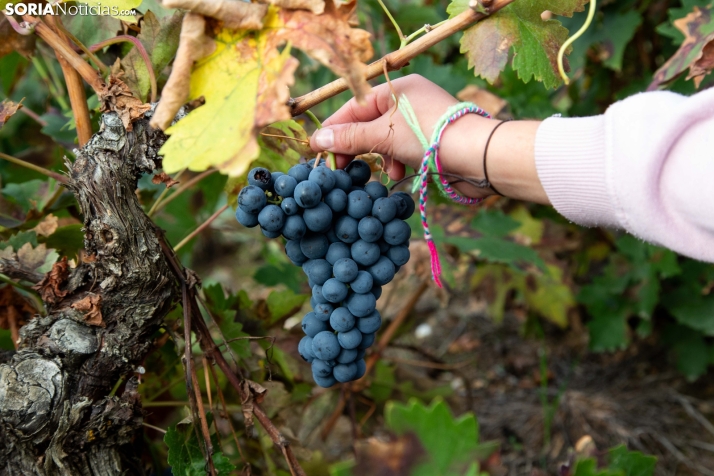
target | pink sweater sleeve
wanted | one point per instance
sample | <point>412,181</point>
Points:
<point>646,166</point>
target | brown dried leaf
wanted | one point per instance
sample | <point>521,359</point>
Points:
<point>117,97</point>
<point>234,14</point>
<point>254,393</point>
<point>483,98</point>
<point>11,41</point>
<point>193,45</point>
<point>315,6</point>
<point>331,40</point>
<point>9,298</point>
<point>274,92</point>
<point>396,457</point>
<point>32,258</point>
<point>47,226</point>
<point>7,109</point>
<point>695,53</point>
<point>91,306</point>
<point>165,178</point>
<point>50,286</point>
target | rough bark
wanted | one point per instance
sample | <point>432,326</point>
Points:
<point>57,416</point>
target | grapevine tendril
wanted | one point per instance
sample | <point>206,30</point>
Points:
<point>569,41</point>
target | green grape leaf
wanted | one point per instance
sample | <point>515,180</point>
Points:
<point>185,456</point>
<point>68,239</point>
<point>160,37</point>
<point>669,30</point>
<point>91,29</point>
<point>448,441</point>
<point>518,26</point>
<point>631,463</point>
<point>285,303</point>
<point>498,250</point>
<point>608,332</point>
<point>494,223</point>
<point>691,309</point>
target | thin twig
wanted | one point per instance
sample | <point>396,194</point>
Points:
<point>147,425</point>
<point>59,177</point>
<point>183,188</point>
<point>33,115</point>
<point>163,193</point>
<point>397,59</point>
<point>201,227</point>
<point>296,139</point>
<point>75,86</point>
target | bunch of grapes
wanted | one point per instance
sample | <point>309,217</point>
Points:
<point>350,238</point>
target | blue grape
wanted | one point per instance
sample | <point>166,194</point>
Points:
<point>305,349</point>
<point>376,291</point>
<point>336,200</point>
<point>323,177</point>
<point>342,320</point>
<point>324,382</point>
<point>383,246</point>
<point>317,295</point>
<point>376,190</point>
<point>382,271</point>
<point>313,303</point>
<point>399,203</point>
<point>289,206</point>
<point>318,218</point>
<point>337,251</point>
<point>270,234</point>
<point>273,177</point>
<point>311,325</point>
<point>361,305</point>
<point>397,232</point>
<point>324,311</point>
<point>359,172</point>
<point>370,229</point>
<point>320,368</point>
<point>345,372</point>
<point>360,354</point>
<point>345,270</point>
<point>248,220</point>
<point>365,253</point>
<point>311,284</point>
<point>347,355</point>
<point>346,229</point>
<point>259,177</point>
<point>362,283</point>
<point>311,163</point>
<point>318,271</point>
<point>334,290</point>
<point>271,218</point>
<point>359,204</point>
<point>285,185</point>
<point>349,340</point>
<point>342,180</point>
<point>361,369</point>
<point>299,172</point>
<point>366,343</point>
<point>331,235</point>
<point>399,255</point>
<point>307,194</point>
<point>385,209</point>
<point>367,324</point>
<point>294,228</point>
<point>409,202</point>
<point>295,254</point>
<point>251,199</point>
<point>325,345</point>
<point>314,245</point>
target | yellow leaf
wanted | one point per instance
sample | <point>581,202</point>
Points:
<point>245,86</point>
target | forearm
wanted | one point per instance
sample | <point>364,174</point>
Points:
<point>510,157</point>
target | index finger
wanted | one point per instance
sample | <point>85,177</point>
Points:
<point>377,103</point>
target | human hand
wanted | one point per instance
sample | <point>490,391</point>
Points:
<point>358,129</point>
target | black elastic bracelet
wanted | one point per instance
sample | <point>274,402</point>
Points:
<point>485,153</point>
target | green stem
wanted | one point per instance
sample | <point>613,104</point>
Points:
<point>97,62</point>
<point>182,189</point>
<point>202,227</point>
<point>42,71</point>
<point>330,156</point>
<point>391,18</point>
<point>59,177</point>
<point>163,193</point>
<point>12,283</point>
<point>424,29</point>
<point>116,386</point>
<point>569,41</point>
<point>59,84</point>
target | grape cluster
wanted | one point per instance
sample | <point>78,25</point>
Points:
<point>350,238</point>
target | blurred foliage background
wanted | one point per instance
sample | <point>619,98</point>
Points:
<point>562,341</point>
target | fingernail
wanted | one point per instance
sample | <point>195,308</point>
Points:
<point>325,138</point>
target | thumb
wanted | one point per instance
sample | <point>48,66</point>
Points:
<point>352,138</point>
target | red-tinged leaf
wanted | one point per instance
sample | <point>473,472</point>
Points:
<point>519,26</point>
<point>696,52</point>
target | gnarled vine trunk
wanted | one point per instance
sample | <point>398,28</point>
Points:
<point>57,414</point>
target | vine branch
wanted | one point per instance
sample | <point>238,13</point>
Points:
<point>399,58</point>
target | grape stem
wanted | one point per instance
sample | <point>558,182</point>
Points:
<point>569,41</point>
<point>330,156</point>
